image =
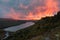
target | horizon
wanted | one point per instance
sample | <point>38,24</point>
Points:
<point>31,19</point>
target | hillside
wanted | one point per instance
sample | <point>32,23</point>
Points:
<point>44,29</point>
<point>6,22</point>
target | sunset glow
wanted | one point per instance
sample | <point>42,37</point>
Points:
<point>35,10</point>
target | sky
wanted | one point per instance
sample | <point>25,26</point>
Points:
<point>28,9</point>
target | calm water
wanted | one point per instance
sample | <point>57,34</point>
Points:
<point>16,28</point>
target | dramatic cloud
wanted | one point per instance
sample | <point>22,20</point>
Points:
<point>28,9</point>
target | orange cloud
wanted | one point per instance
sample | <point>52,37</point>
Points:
<point>35,10</point>
<point>14,15</point>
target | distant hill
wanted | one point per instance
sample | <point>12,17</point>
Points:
<point>42,29</point>
<point>6,22</point>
